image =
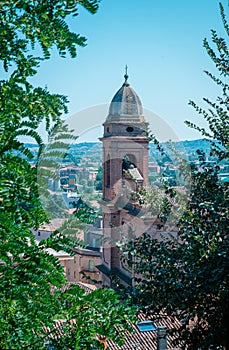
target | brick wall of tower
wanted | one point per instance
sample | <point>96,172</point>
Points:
<point>111,234</point>
<point>114,150</point>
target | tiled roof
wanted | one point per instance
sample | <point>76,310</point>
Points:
<point>53,225</point>
<point>125,105</point>
<point>58,254</point>
<point>137,340</point>
<point>142,340</point>
<point>125,101</point>
<point>147,340</point>
<point>87,252</point>
<point>134,341</point>
<point>88,288</point>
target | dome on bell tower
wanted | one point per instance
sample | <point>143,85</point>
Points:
<point>125,106</point>
<point>125,117</point>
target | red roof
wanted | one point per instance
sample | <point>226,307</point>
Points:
<point>137,340</point>
<point>147,340</point>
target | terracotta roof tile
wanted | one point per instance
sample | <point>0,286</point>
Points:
<point>137,340</point>
<point>147,340</point>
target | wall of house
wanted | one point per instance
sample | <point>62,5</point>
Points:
<point>83,264</point>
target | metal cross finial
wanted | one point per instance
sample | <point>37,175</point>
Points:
<point>126,75</point>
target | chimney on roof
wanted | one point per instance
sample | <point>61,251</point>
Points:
<point>161,338</point>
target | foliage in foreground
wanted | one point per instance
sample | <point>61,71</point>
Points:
<point>98,315</point>
<point>32,280</point>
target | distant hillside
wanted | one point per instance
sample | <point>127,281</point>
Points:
<point>93,150</point>
<point>199,143</point>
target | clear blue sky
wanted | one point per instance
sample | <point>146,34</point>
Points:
<point>161,41</point>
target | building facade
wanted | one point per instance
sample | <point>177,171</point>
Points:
<point>82,267</point>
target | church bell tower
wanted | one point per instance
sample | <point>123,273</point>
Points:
<point>125,170</point>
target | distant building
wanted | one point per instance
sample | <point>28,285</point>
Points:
<point>46,229</point>
<point>68,178</point>
<point>69,170</point>
<point>63,257</point>
<point>94,234</point>
<point>154,168</point>
<point>83,266</point>
<point>92,175</point>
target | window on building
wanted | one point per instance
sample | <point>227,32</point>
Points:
<point>75,259</point>
<point>146,326</point>
<point>74,274</point>
<point>91,265</point>
<point>69,272</point>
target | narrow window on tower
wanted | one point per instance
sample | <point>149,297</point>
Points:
<point>108,172</point>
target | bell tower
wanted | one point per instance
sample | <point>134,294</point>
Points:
<point>125,169</point>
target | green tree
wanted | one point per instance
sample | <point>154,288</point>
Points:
<point>92,312</point>
<point>186,275</point>
<point>217,113</point>
<point>32,279</point>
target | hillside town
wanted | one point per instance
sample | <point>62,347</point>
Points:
<point>114,217</point>
<point>86,182</point>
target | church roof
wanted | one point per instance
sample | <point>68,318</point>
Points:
<point>125,105</point>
